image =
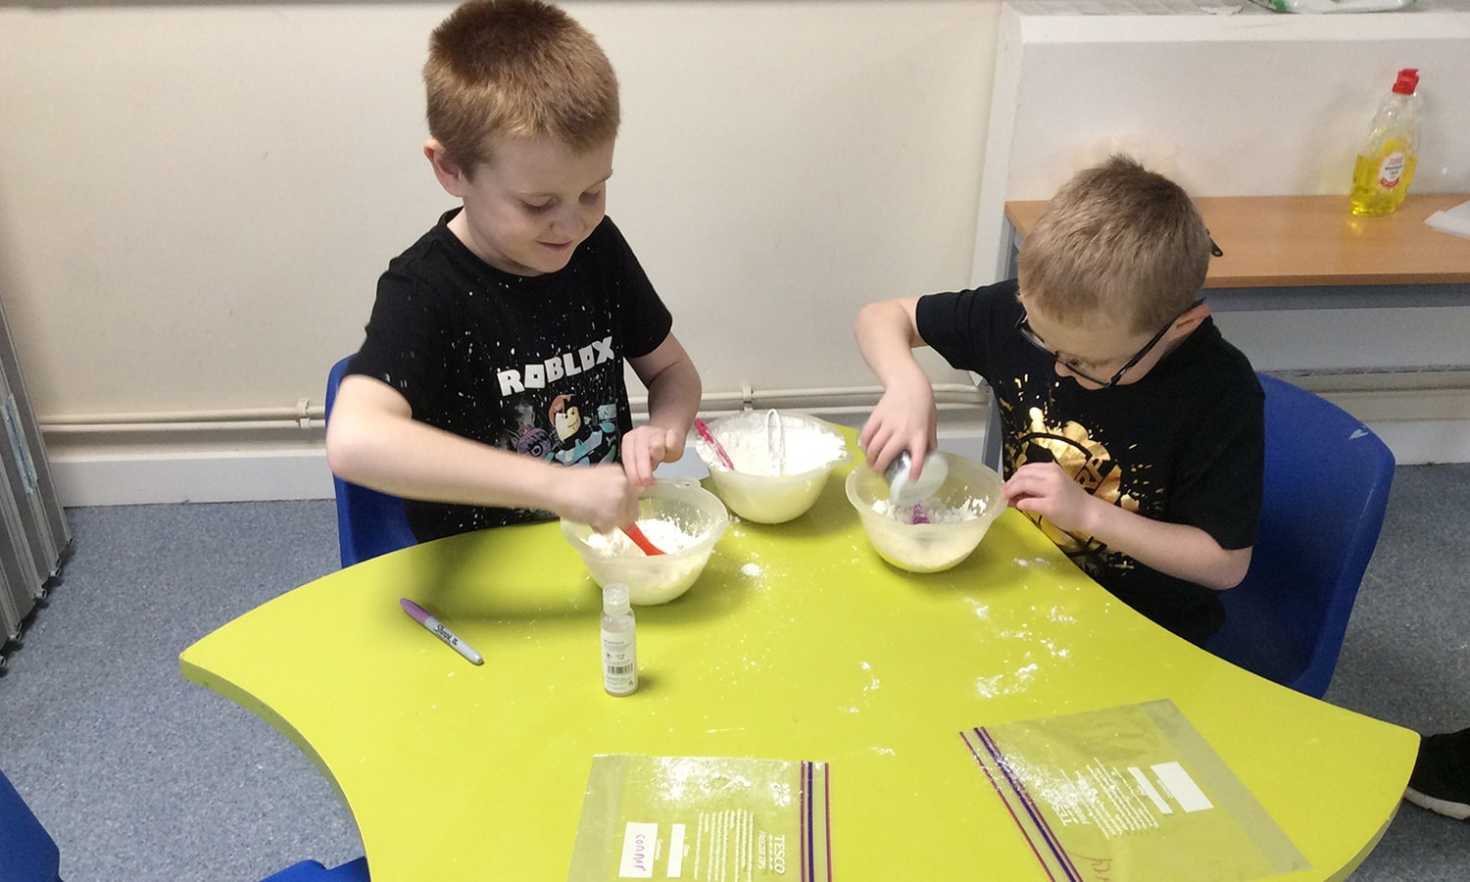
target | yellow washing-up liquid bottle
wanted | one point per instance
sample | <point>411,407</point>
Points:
<point>1385,166</point>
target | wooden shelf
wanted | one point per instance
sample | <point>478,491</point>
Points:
<point>1296,241</point>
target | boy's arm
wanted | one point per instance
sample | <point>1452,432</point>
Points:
<point>905,417</point>
<point>674,390</point>
<point>373,440</point>
<point>1178,550</point>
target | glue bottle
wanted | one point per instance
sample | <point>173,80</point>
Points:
<point>1385,166</point>
<point>619,643</point>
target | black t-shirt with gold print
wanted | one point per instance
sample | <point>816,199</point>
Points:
<point>1183,445</point>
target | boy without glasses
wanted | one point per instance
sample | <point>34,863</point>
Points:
<point>494,355</point>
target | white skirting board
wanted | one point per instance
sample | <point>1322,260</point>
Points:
<point>162,476</point>
<point>245,475</point>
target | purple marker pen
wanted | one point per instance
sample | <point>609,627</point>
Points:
<point>421,615</point>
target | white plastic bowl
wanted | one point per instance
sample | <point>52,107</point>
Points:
<point>656,579</point>
<point>766,499</point>
<point>928,548</point>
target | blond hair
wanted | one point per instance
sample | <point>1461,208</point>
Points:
<point>1119,239</point>
<point>516,68</point>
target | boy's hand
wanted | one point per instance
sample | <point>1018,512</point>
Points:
<point>1043,488</point>
<point>645,449</point>
<point>599,496</point>
<point>904,419</point>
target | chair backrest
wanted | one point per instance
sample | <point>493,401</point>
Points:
<point>313,871</point>
<point>1327,478</point>
<point>27,851</point>
<point>369,523</point>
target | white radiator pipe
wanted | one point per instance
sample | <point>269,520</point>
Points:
<point>304,410</point>
<point>181,426</point>
<point>308,417</point>
<point>817,400</point>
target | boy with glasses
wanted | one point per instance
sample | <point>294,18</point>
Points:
<point>1133,433</point>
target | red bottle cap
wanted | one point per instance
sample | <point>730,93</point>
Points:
<point>1407,82</point>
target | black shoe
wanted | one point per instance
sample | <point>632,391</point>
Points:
<point>1441,779</point>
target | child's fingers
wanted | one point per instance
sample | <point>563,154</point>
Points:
<point>889,451</point>
<point>1027,469</point>
<point>653,454</point>
<point>658,448</point>
<point>876,444</point>
<point>640,462</point>
<point>1029,504</point>
<point>1032,469</point>
<point>870,428</point>
<point>630,465</point>
<point>918,449</point>
<point>629,508</point>
<point>1022,483</point>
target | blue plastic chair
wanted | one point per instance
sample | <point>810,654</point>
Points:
<point>311,871</point>
<point>27,851</point>
<point>1327,478</point>
<point>29,854</point>
<point>369,523</point>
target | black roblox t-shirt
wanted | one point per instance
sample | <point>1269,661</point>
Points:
<point>1183,445</point>
<point>530,364</point>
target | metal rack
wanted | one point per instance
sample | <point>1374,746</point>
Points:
<point>35,538</point>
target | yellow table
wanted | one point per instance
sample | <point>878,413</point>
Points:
<point>457,773</point>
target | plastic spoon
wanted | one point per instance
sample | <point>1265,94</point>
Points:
<point>634,532</point>
<point>776,439</point>
<point>904,491</point>
<point>708,436</point>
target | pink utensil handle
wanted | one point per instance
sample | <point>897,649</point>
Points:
<point>636,534</point>
<point>708,436</point>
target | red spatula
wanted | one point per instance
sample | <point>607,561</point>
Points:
<point>635,533</point>
<point>709,437</point>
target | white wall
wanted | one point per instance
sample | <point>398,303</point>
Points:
<point>1249,106</point>
<point>196,200</point>
<point>1254,104</point>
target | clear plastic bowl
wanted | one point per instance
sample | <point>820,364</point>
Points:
<point>766,499</point>
<point>928,548</point>
<point>656,579</point>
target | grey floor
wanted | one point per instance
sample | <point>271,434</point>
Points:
<point>144,777</point>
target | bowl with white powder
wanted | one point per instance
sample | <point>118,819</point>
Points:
<point>942,530</point>
<point>781,461</point>
<point>680,518</point>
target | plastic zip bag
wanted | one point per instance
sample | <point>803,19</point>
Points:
<point>1129,794</point>
<point>704,819</point>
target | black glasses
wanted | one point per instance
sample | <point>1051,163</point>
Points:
<point>1023,327</point>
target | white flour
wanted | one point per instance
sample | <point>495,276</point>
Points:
<point>772,443</point>
<point>666,536</point>
<point>971,510</point>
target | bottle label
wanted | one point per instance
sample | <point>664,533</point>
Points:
<point>1391,170</point>
<point>619,663</point>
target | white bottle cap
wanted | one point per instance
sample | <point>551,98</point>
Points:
<point>615,599</point>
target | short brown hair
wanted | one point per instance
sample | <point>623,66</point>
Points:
<point>519,68</point>
<point>1120,239</point>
